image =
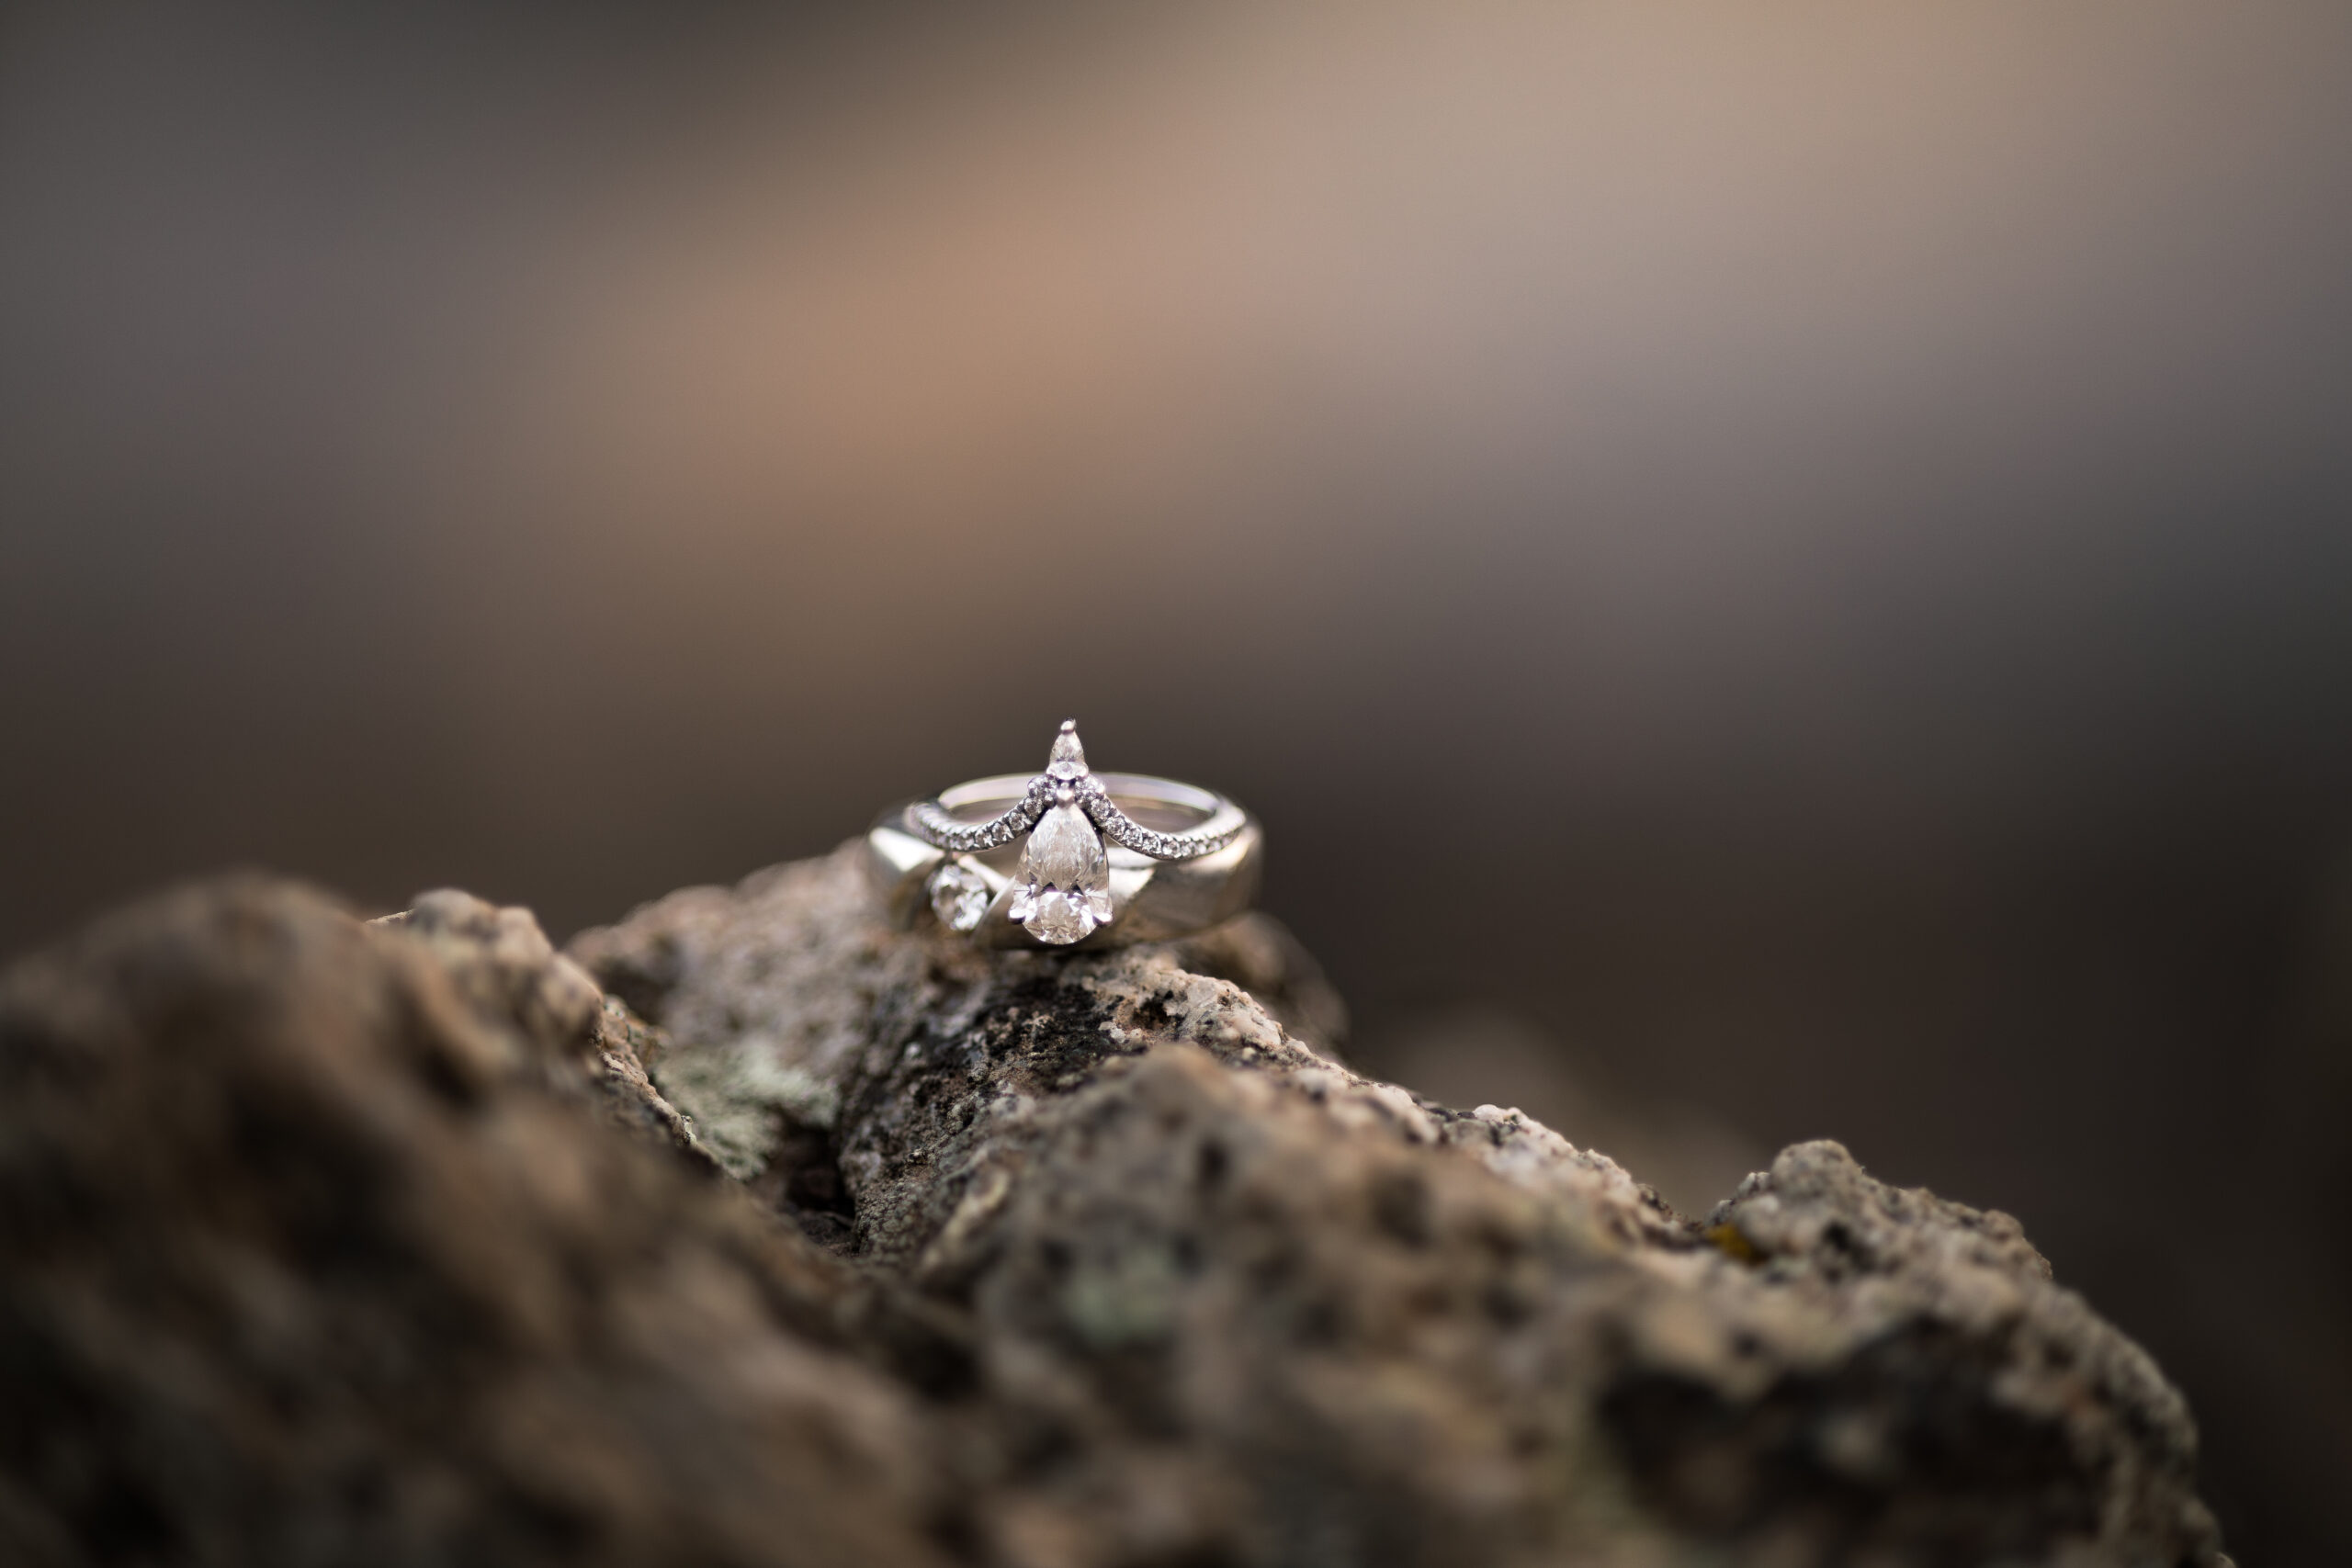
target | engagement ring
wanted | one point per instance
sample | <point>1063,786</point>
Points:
<point>1109,858</point>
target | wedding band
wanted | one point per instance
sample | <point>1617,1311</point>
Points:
<point>1109,859</point>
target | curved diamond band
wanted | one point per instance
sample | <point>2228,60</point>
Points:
<point>1090,871</point>
<point>1095,794</point>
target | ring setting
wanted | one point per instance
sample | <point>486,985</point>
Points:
<point>1107,857</point>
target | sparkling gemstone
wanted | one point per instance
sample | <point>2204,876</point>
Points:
<point>1061,918</point>
<point>1068,758</point>
<point>959,896</point>
<point>1063,889</point>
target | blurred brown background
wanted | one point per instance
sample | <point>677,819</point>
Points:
<point>1845,509</point>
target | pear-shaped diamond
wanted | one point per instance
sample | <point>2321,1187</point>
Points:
<point>1062,889</point>
<point>1068,758</point>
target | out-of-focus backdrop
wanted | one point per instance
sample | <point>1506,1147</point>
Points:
<point>1816,539</point>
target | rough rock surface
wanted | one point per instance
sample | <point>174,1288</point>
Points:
<point>316,1252</point>
<point>329,1243</point>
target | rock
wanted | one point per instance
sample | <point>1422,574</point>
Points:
<point>316,1251</point>
<point>503,964</point>
<point>1236,1303</point>
<point>408,1243</point>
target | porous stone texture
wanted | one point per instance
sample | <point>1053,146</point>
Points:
<point>755,1231</point>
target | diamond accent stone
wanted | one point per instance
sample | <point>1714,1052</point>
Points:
<point>1121,828</point>
<point>1068,758</point>
<point>940,826</point>
<point>1066,782</point>
<point>960,895</point>
<point>1062,890</point>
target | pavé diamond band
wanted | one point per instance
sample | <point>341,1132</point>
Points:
<point>1110,858</point>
